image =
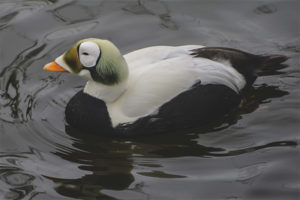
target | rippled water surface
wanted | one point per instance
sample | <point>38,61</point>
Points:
<point>253,154</point>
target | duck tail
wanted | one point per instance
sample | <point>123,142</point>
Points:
<point>269,64</point>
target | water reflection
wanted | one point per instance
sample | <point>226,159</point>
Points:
<point>22,175</point>
<point>108,160</point>
<point>155,8</point>
<point>266,9</point>
<point>20,183</point>
<point>16,183</point>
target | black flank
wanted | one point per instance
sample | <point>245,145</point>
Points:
<point>196,107</point>
<point>89,114</point>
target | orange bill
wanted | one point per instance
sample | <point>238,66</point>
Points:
<point>54,67</point>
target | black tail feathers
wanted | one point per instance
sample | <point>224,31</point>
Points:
<point>249,65</point>
<point>270,64</point>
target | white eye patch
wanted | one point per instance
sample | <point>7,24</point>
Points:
<point>89,53</point>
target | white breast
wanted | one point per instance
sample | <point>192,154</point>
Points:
<point>158,74</point>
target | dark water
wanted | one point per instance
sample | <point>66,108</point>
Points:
<point>253,154</point>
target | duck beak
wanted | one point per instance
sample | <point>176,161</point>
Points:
<point>54,67</point>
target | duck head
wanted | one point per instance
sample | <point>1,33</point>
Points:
<point>98,60</point>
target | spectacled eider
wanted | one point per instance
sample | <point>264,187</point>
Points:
<point>156,89</point>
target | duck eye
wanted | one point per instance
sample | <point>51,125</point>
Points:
<point>89,54</point>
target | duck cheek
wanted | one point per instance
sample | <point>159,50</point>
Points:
<point>85,74</point>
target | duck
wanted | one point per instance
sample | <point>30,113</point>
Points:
<point>157,89</point>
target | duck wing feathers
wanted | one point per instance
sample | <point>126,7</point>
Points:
<point>249,65</point>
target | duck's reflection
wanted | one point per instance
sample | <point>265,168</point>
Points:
<point>110,160</point>
<point>107,160</point>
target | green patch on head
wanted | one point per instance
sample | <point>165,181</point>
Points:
<point>111,68</point>
<point>107,74</point>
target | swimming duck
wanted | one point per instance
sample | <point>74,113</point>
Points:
<point>156,89</point>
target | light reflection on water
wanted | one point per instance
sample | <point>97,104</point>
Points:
<point>251,154</point>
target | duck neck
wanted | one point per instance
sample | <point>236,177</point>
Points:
<point>107,93</point>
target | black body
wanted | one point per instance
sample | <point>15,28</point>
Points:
<point>200,105</point>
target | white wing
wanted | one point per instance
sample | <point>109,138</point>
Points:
<point>158,74</point>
